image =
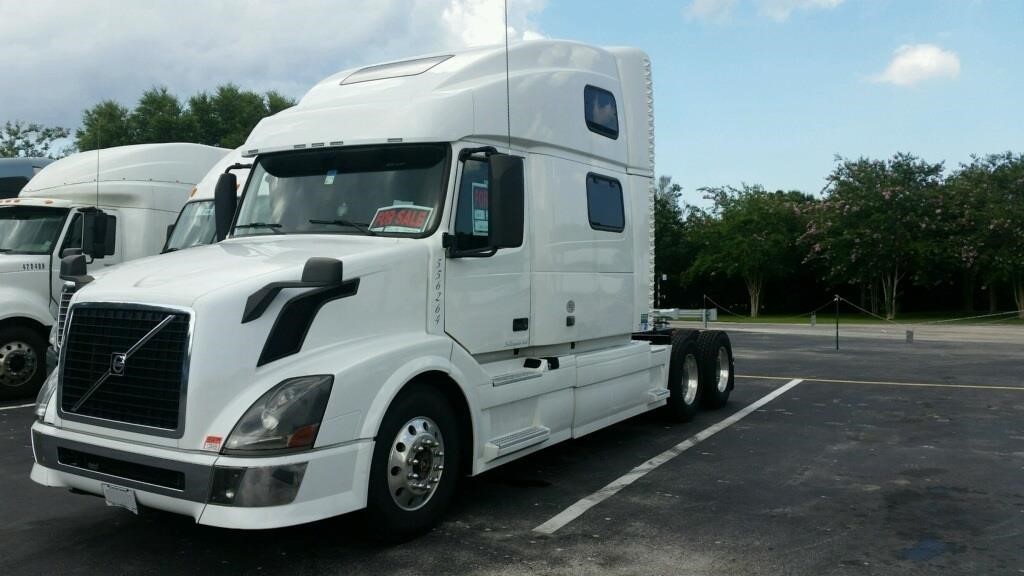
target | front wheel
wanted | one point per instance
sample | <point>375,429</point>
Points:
<point>416,461</point>
<point>22,362</point>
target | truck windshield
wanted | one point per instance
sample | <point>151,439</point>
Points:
<point>395,189</point>
<point>195,227</point>
<point>30,229</point>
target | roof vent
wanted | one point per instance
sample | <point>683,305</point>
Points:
<point>394,69</point>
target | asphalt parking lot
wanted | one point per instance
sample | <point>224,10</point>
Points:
<point>885,458</point>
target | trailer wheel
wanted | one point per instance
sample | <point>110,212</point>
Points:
<point>683,379</point>
<point>416,461</point>
<point>22,362</point>
<point>717,368</point>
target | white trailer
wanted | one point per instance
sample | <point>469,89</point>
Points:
<point>113,205</point>
<point>422,280</point>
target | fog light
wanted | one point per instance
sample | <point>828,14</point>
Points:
<point>254,487</point>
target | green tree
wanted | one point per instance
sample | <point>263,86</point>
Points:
<point>21,139</point>
<point>749,234</point>
<point>990,194</point>
<point>221,118</point>
<point>158,118</point>
<point>105,125</point>
<point>876,222</point>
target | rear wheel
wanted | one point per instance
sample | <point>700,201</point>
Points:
<point>717,368</point>
<point>22,362</point>
<point>683,379</point>
<point>416,461</point>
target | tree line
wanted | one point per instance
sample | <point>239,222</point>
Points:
<point>885,232</point>
<point>223,117</point>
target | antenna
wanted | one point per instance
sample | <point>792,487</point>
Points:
<point>99,128</point>
<point>508,98</point>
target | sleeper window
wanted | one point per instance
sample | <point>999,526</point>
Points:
<point>600,112</point>
<point>604,204</point>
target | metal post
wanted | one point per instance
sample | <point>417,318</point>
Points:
<point>837,321</point>
<point>704,312</point>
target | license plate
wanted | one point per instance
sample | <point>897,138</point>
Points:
<point>120,497</point>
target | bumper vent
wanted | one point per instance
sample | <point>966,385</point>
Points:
<point>171,479</point>
<point>125,365</point>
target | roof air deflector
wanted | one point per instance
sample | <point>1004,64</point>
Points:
<point>394,69</point>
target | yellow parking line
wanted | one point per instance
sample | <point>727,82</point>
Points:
<point>886,383</point>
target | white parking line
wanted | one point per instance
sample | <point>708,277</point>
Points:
<point>886,383</point>
<point>576,510</point>
<point>18,406</point>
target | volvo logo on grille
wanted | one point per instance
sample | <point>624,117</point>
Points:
<point>117,364</point>
<point>118,360</point>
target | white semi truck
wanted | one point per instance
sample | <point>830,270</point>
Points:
<point>415,286</point>
<point>16,172</point>
<point>195,225</point>
<point>113,206</point>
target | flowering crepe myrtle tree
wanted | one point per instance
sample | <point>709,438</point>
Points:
<point>876,222</point>
<point>751,234</point>
<point>997,181</point>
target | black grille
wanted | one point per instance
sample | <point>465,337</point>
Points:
<point>148,392</point>
<point>173,479</point>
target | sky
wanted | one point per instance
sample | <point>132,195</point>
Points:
<point>746,91</point>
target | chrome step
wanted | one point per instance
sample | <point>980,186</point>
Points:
<point>657,395</point>
<point>515,441</point>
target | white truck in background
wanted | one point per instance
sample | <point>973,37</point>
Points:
<point>113,206</point>
<point>195,225</point>
<point>413,287</point>
<point>16,172</point>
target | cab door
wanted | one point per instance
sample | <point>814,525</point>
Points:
<point>487,295</point>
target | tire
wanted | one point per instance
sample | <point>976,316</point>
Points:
<point>684,334</point>
<point>395,508</point>
<point>22,362</point>
<point>718,370</point>
<point>683,379</point>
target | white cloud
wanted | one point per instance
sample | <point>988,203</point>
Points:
<point>710,10</point>
<point>913,63</point>
<point>780,10</point>
<point>61,57</point>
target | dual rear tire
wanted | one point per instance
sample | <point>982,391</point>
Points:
<point>700,373</point>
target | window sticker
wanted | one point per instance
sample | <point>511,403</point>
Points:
<point>480,208</point>
<point>403,218</point>
<point>330,177</point>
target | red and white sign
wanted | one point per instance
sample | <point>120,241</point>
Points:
<point>408,219</point>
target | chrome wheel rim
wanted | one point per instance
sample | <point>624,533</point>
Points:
<point>416,463</point>
<point>690,382</point>
<point>723,369</point>
<point>17,364</point>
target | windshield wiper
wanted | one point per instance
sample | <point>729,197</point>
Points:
<point>6,249</point>
<point>341,222</point>
<point>268,225</point>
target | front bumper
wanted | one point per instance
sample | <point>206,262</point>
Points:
<point>180,481</point>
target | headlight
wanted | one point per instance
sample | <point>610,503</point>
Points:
<point>285,418</point>
<point>46,394</point>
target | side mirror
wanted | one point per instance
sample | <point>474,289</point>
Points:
<point>225,200</point>
<point>98,234</point>
<point>506,201</point>
<point>73,269</point>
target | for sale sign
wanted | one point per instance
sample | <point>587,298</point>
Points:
<point>408,219</point>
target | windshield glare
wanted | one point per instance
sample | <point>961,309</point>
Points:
<point>195,227</point>
<point>388,190</point>
<point>30,229</point>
